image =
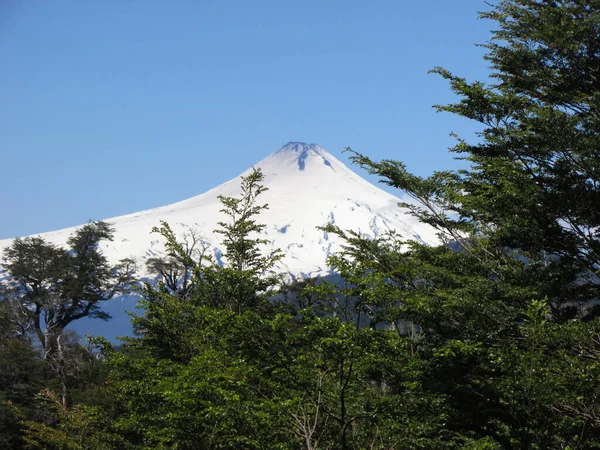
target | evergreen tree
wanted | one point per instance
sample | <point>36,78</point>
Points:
<point>534,179</point>
<point>190,278</point>
<point>504,308</point>
<point>247,277</point>
<point>243,280</point>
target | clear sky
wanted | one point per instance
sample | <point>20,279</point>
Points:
<point>108,107</point>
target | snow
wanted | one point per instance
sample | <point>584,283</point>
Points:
<point>307,187</point>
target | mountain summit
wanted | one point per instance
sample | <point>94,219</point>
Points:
<point>307,187</point>
<point>297,155</point>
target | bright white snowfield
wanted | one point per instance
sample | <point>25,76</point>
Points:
<point>307,186</point>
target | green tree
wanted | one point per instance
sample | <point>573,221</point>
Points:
<point>244,280</point>
<point>241,247</point>
<point>55,286</point>
<point>219,368</point>
<point>533,184</point>
<point>21,377</point>
<point>247,279</point>
<point>79,427</point>
<point>185,379</point>
<point>505,308</point>
<point>179,269</point>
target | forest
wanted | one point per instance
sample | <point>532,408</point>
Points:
<point>490,340</point>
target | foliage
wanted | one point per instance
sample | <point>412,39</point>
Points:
<point>206,372</point>
<point>489,340</point>
<point>57,286</point>
<point>241,248</point>
<point>179,270</point>
<point>505,307</point>
<point>25,415</point>
<point>21,377</point>
<point>77,428</point>
<point>242,281</point>
<point>50,287</point>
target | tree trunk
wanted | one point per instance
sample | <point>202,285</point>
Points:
<point>62,373</point>
<point>53,353</point>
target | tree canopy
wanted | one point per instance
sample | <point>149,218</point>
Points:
<point>489,340</point>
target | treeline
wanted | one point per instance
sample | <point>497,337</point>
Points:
<point>490,340</point>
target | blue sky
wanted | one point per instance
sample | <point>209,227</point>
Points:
<point>111,107</point>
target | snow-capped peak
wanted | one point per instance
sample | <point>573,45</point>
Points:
<point>307,187</point>
<point>300,147</point>
<point>301,152</point>
<point>299,157</point>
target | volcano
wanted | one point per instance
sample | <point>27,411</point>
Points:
<point>307,187</point>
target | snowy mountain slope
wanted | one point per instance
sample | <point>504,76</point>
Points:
<point>307,187</point>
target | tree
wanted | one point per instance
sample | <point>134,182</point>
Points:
<point>248,274</point>
<point>534,178</point>
<point>505,308</point>
<point>179,270</point>
<point>218,368</point>
<point>241,248</point>
<point>187,351</point>
<point>56,286</point>
<point>189,277</point>
<point>21,371</point>
<point>243,279</point>
<point>79,427</point>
